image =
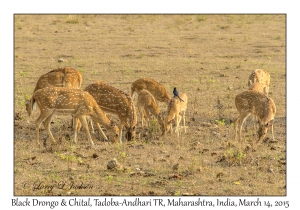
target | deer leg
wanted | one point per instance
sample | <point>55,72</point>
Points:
<point>86,128</point>
<point>178,124</point>
<point>47,126</point>
<point>272,129</point>
<point>142,113</point>
<point>236,122</point>
<point>253,121</point>
<point>76,128</point>
<point>41,118</point>
<point>120,133</point>
<point>237,125</point>
<point>177,120</point>
<point>242,119</point>
<point>73,122</point>
<point>91,123</point>
<point>101,131</point>
<point>147,117</point>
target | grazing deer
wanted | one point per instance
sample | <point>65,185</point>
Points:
<point>176,108</point>
<point>117,102</point>
<point>146,104</point>
<point>262,77</point>
<point>156,89</point>
<point>256,103</point>
<point>65,101</point>
<point>62,77</point>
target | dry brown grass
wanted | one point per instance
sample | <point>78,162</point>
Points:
<point>209,57</point>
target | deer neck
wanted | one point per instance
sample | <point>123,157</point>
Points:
<point>100,117</point>
<point>154,110</point>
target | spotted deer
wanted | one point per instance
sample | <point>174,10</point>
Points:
<point>256,103</point>
<point>257,87</point>
<point>176,109</point>
<point>156,89</point>
<point>146,104</point>
<point>61,77</point>
<point>117,102</point>
<point>65,101</point>
<point>262,77</point>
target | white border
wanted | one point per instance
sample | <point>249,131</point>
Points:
<point>8,8</point>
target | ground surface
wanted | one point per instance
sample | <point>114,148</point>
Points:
<point>209,57</point>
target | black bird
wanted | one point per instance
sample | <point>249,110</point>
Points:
<point>176,94</point>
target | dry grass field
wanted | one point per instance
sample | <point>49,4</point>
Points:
<point>209,57</point>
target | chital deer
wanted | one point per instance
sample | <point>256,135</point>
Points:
<point>256,103</point>
<point>117,102</point>
<point>176,108</point>
<point>65,101</point>
<point>156,89</point>
<point>61,77</point>
<point>260,76</point>
<point>146,104</point>
<point>257,87</point>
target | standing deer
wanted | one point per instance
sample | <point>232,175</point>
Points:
<point>176,108</point>
<point>146,104</point>
<point>117,102</point>
<point>257,87</point>
<point>62,77</point>
<point>65,101</point>
<point>156,89</point>
<point>256,103</point>
<point>262,77</point>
